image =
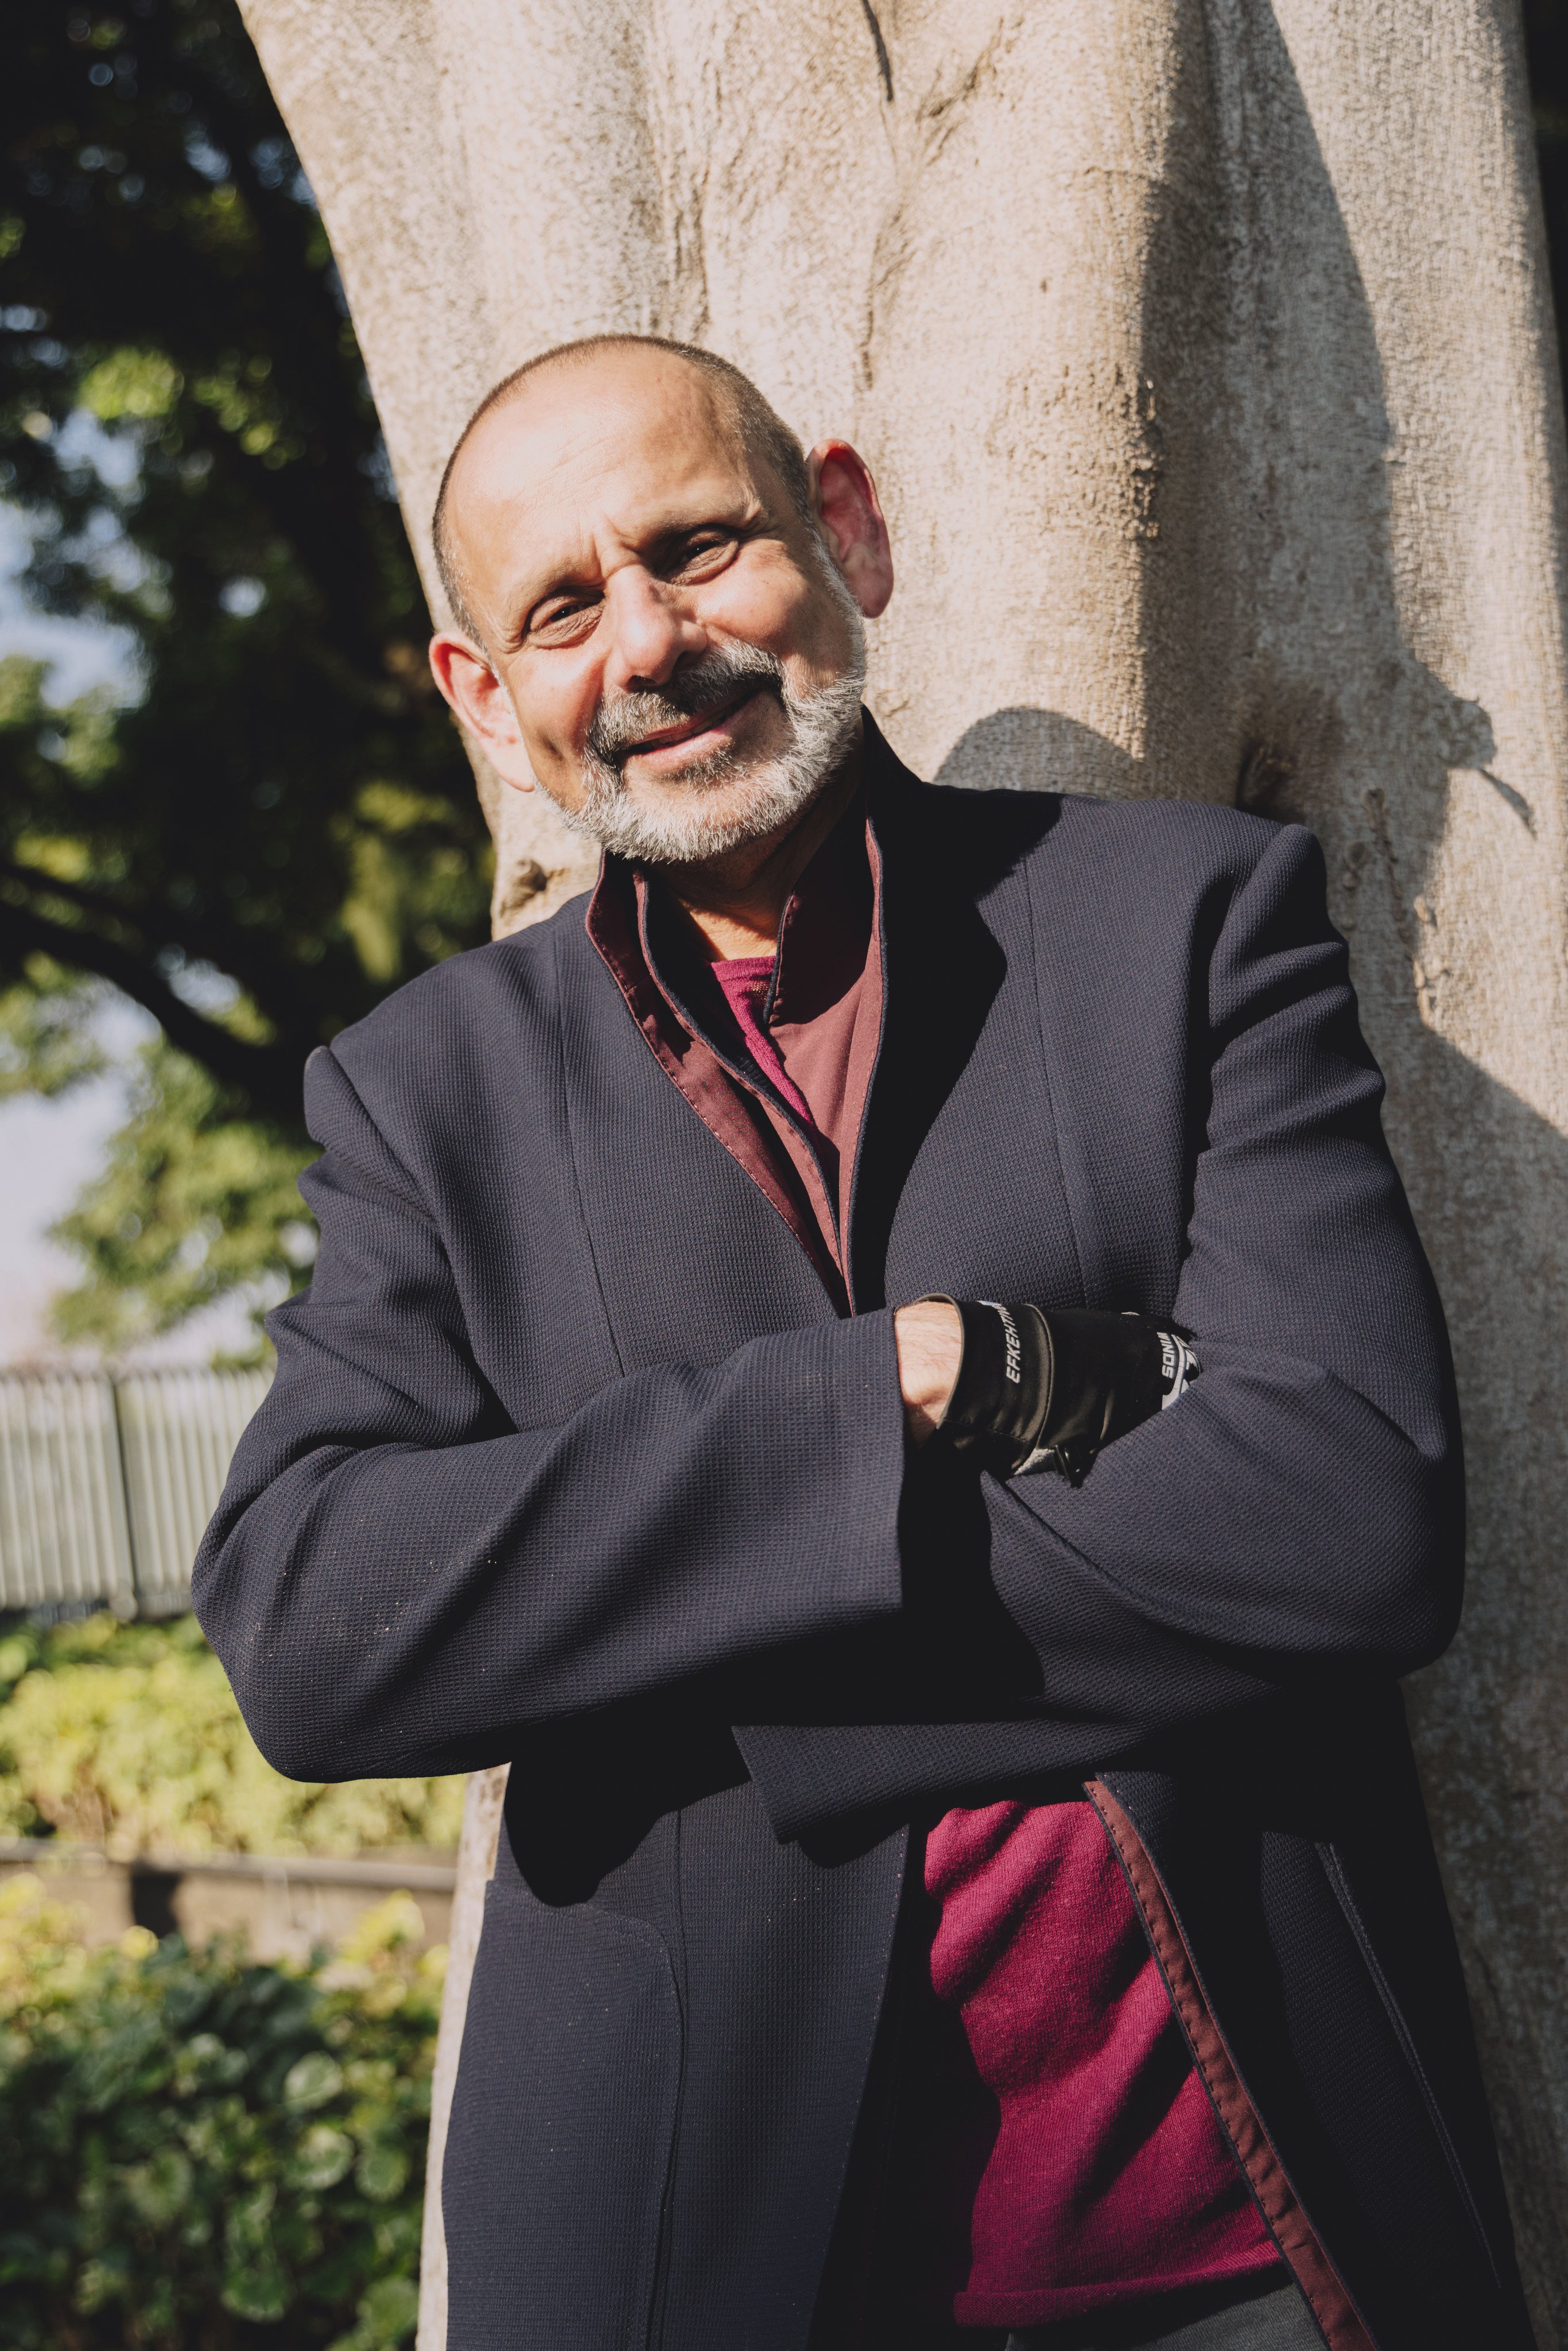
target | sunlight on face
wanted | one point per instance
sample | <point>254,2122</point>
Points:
<point>684,658</point>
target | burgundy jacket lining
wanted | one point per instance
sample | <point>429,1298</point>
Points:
<point>734,1116</point>
<point>1319,2280</point>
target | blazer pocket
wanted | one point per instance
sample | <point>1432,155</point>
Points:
<point>563,2130</point>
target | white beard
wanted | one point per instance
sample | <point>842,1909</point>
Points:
<point>723,801</point>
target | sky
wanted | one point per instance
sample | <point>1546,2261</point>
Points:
<point>49,1150</point>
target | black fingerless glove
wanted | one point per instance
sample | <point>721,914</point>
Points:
<point>1050,1389</point>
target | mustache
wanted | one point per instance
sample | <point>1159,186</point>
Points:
<point>719,677</point>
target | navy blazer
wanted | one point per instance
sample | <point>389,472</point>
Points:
<point>572,1461</point>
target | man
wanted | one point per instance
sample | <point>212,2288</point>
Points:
<point>964,1881</point>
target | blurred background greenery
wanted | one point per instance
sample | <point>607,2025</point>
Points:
<point>258,827</point>
<point>127,1737</point>
<point>199,2150</point>
<point>270,822</point>
<point>203,2152</point>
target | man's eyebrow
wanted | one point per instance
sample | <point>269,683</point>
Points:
<point>733,523</point>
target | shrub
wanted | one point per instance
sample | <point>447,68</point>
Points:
<point>128,1735</point>
<point>198,2154</point>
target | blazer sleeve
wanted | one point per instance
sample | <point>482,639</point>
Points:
<point>1302,1507</point>
<point>1291,1527</point>
<point>398,1581</point>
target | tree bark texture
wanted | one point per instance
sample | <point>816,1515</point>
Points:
<point>482,1801</point>
<point>1203,352</point>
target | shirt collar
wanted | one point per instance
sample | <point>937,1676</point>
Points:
<point>824,932</point>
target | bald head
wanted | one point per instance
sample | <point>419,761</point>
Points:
<point>733,401</point>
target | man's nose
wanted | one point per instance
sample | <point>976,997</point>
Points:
<point>651,630</point>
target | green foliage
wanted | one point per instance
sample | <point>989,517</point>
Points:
<point>197,2153</point>
<point>280,802</point>
<point>47,1040</point>
<point>128,1735</point>
<point>286,800</point>
<point>192,1205</point>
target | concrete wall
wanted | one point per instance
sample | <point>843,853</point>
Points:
<point>284,1910</point>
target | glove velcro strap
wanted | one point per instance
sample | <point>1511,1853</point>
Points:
<point>1002,1394</point>
<point>1041,1388</point>
<point>1107,1378</point>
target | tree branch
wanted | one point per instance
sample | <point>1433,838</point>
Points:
<point>92,901</point>
<point>282,1000</point>
<point>266,1076</point>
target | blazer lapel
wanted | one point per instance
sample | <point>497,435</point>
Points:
<point>959,1182</point>
<point>693,1257</point>
<point>941,971</point>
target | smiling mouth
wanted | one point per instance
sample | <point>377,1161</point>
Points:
<point>666,738</point>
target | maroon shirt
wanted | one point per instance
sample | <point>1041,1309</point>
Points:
<point>1071,2159</point>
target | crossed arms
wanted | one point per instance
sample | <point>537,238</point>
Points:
<point>399,1580</point>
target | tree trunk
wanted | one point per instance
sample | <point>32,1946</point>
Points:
<point>482,1801</point>
<point>1203,350</point>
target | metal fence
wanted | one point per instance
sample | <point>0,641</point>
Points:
<point>106,1485</point>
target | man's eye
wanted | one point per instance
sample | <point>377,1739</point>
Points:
<point>703,555</point>
<point>559,624</point>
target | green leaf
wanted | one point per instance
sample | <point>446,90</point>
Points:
<point>133,1732</point>
<point>248,2220</point>
<point>142,384</point>
<point>47,1040</point>
<point>206,2062</point>
<point>160,2189</point>
<point>321,2156</point>
<point>259,2292</point>
<point>131,2209</point>
<point>157,2317</point>
<point>190,1205</point>
<point>381,2172</point>
<point>388,2312</point>
<point>313,2080</point>
<point>105,2278</point>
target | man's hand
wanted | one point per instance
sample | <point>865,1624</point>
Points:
<point>930,1336</point>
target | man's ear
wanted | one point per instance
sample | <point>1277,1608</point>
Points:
<point>482,704</point>
<point>845,500</point>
